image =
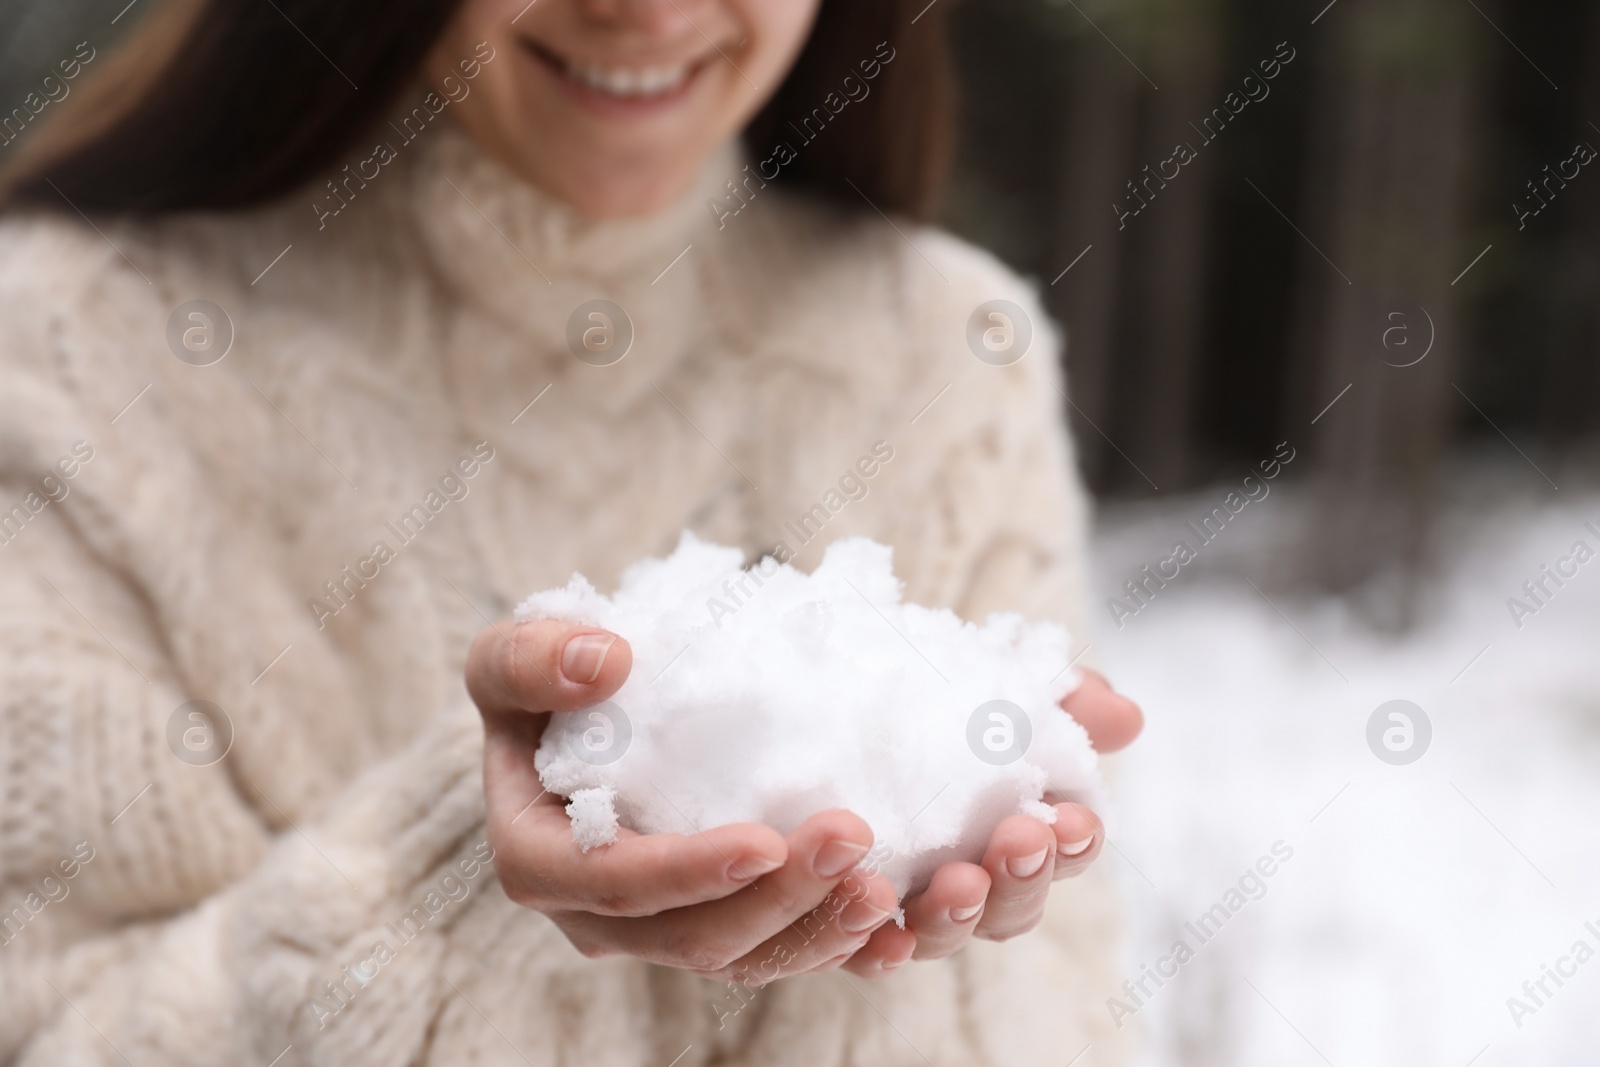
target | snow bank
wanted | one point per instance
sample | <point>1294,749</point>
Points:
<point>1420,898</point>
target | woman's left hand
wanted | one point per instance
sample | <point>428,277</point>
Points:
<point>1005,896</point>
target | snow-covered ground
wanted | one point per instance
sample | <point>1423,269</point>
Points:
<point>1418,898</point>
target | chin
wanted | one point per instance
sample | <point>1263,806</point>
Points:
<point>608,185</point>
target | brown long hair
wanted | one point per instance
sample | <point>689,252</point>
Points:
<point>219,104</point>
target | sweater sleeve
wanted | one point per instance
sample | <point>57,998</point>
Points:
<point>159,903</point>
<point>150,913</point>
<point>125,938</point>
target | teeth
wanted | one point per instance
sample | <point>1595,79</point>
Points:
<point>620,81</point>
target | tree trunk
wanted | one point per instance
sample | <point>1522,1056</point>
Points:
<point>1097,148</point>
<point>1400,112</point>
<point>1571,401</point>
<point>1165,310</point>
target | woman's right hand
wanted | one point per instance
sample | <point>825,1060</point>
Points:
<point>719,902</point>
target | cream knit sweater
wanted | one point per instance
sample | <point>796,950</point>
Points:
<point>325,885</point>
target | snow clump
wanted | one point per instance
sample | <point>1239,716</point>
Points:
<point>767,695</point>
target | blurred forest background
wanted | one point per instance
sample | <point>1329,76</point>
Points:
<point>1389,154</point>
<point>1363,208</point>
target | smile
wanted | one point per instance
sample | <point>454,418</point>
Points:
<point>623,83</point>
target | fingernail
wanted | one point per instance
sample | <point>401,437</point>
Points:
<point>1027,866</point>
<point>836,857</point>
<point>1077,848</point>
<point>585,655</point>
<point>961,915</point>
<point>750,869</point>
<point>861,916</point>
<point>891,965</point>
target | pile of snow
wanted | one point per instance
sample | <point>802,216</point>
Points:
<point>767,695</point>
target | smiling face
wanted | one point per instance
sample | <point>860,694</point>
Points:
<point>614,105</point>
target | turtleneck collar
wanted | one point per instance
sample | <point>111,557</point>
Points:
<point>508,246</point>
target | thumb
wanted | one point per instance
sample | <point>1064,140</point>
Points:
<point>545,665</point>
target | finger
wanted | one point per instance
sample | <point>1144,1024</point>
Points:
<point>510,780</point>
<point>944,915</point>
<point>840,925</point>
<point>1079,835</point>
<point>1111,719</point>
<point>544,665</point>
<point>541,867</point>
<point>886,951</point>
<point>1019,860</point>
<point>709,937</point>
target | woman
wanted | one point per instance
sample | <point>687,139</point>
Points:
<point>329,331</point>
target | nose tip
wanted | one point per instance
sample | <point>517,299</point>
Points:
<point>657,17</point>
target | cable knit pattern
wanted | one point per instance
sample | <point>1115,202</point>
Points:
<point>227,909</point>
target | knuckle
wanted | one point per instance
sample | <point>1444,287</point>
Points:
<point>634,909</point>
<point>525,887</point>
<point>723,957</point>
<point>695,953</point>
<point>521,659</point>
<point>484,652</point>
<point>619,905</point>
<point>589,948</point>
<point>583,938</point>
<point>515,890</point>
<point>782,899</point>
<point>738,974</point>
<point>821,925</point>
<point>730,974</point>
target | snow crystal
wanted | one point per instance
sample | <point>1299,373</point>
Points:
<point>767,695</point>
<point>594,816</point>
